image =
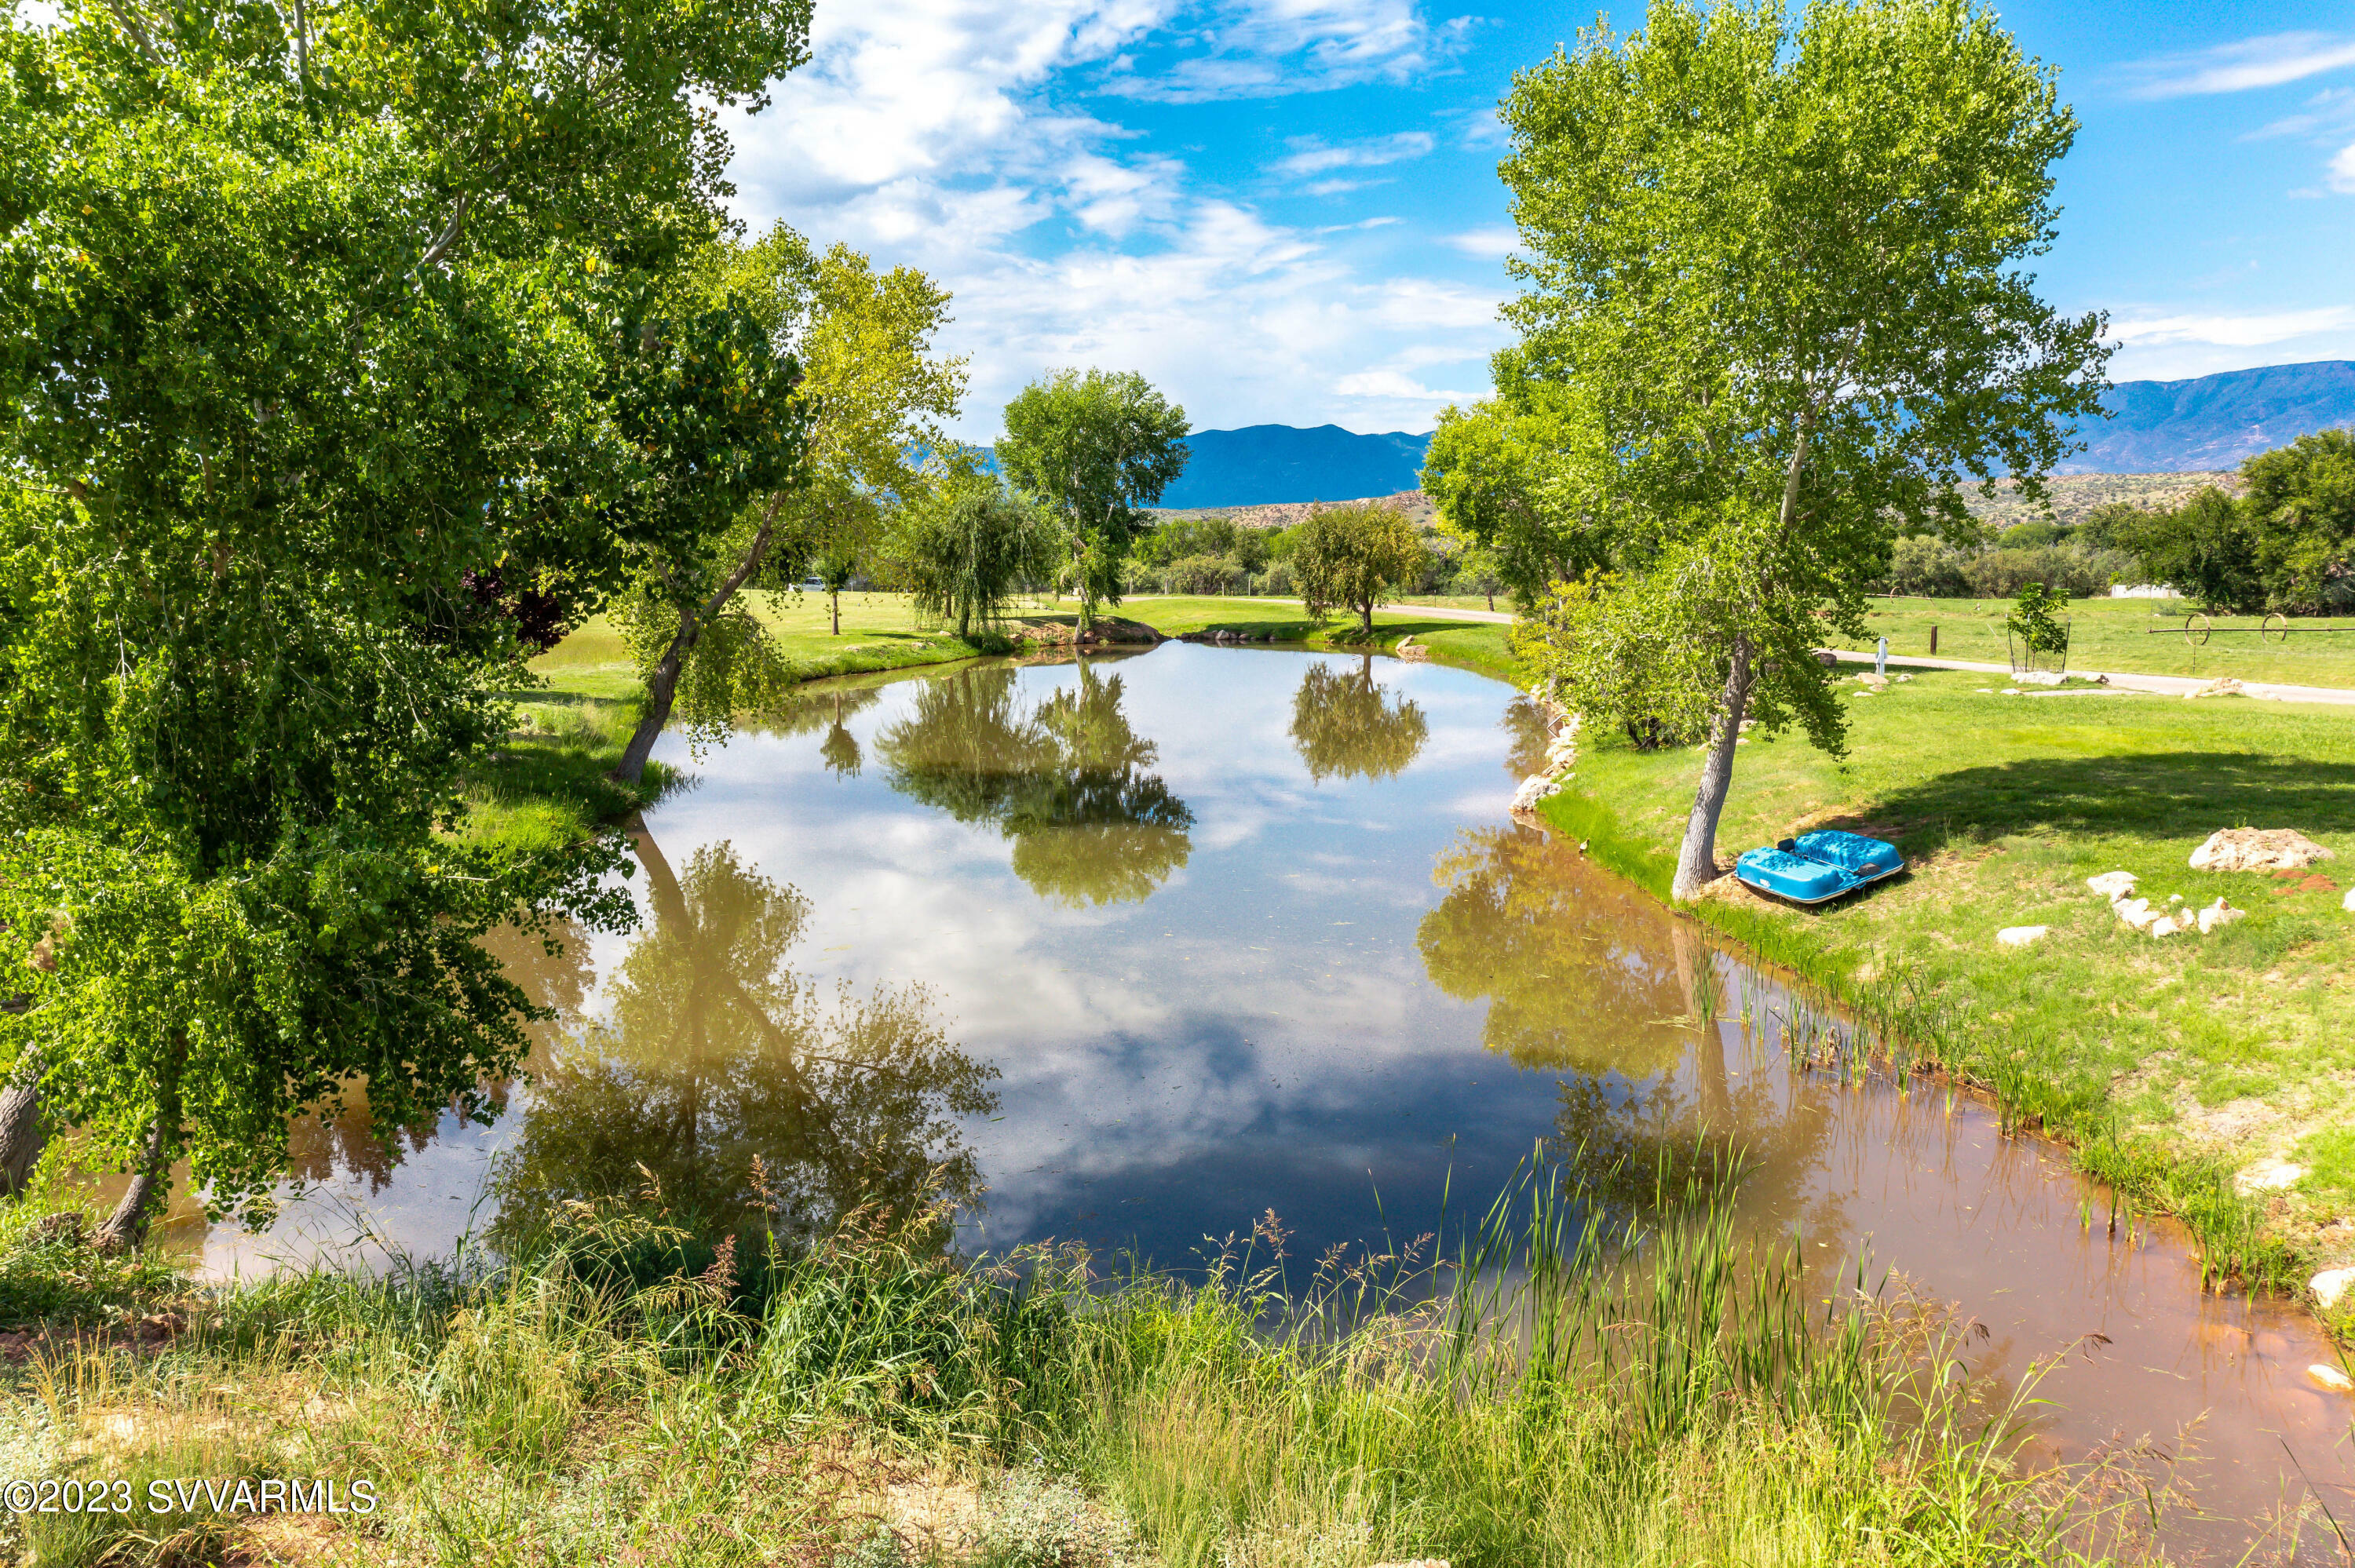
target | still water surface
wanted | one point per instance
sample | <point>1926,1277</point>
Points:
<point>1147,947</point>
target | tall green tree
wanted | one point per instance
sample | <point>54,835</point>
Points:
<point>1775,306</point>
<point>1094,448</point>
<point>826,424</point>
<point>1355,557</point>
<point>2300,503</point>
<point>300,354</point>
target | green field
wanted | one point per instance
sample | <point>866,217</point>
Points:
<point>2130,636</point>
<point>2177,1061</point>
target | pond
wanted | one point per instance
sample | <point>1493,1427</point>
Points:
<point>1139,950</point>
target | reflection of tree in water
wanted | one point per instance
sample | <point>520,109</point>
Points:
<point>341,1136</point>
<point>1526,724</point>
<point>1066,781</point>
<point>828,707</point>
<point>714,1053</point>
<point>1344,724</point>
<point>1584,975</point>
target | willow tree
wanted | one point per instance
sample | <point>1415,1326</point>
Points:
<point>865,396</point>
<point>298,347</point>
<point>1774,306</point>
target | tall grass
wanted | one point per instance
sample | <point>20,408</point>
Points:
<point>1562,1385</point>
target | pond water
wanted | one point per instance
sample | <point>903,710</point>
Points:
<point>1135,951</point>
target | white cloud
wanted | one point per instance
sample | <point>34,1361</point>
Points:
<point>2233,331</point>
<point>1313,157</point>
<point>2342,171</point>
<point>1255,48</point>
<point>2269,61</point>
<point>1391,386</point>
<point>929,133</point>
<point>1499,242</point>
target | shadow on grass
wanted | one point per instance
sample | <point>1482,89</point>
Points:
<point>2165,795</point>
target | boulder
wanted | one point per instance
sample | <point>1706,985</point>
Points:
<point>2330,1284</point>
<point>2168,925</point>
<point>2021,935</point>
<point>2038,678</point>
<point>2227,687</point>
<point>2348,903</point>
<point>2218,913</point>
<point>2257,849</point>
<point>2136,913</point>
<point>2323,1375</point>
<point>2112,885</point>
<point>1413,653</point>
<point>1534,788</point>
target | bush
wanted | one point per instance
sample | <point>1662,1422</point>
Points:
<point>1934,570</point>
<point>1277,581</point>
<point>1201,574</point>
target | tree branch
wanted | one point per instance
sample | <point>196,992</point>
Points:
<point>441,246</point>
<point>139,34</point>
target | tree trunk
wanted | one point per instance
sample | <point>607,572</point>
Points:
<point>663,685</point>
<point>1492,601</point>
<point>127,1226</point>
<point>1697,861</point>
<point>20,1135</point>
<point>1366,616</point>
<point>833,605</point>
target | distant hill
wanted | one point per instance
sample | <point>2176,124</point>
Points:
<point>2214,422</point>
<point>2156,428</point>
<point>1263,463</point>
<point>1284,513</point>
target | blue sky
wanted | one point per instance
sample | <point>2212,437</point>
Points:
<point>1288,212</point>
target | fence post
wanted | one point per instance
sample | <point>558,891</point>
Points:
<point>1934,639</point>
<point>1880,657</point>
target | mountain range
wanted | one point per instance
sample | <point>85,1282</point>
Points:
<point>2155,427</point>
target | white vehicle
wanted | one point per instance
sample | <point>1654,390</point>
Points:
<point>813,585</point>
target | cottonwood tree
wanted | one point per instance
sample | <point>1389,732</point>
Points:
<point>1355,557</point>
<point>1774,304</point>
<point>867,400</point>
<point>1094,448</point>
<point>292,356</point>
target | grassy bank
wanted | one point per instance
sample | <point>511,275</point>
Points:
<point>631,1394</point>
<point>2141,637</point>
<point>2174,1066</point>
<point>1471,645</point>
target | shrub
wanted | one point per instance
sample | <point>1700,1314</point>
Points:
<point>1202,574</point>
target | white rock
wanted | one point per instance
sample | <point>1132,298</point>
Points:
<point>2038,678</point>
<point>2257,849</point>
<point>2227,687</point>
<point>1986,689</point>
<point>1534,788</point>
<point>2218,913</point>
<point>2112,885</point>
<point>2331,1377</point>
<point>2269,1176</point>
<point>2167,925</point>
<point>2348,903</point>
<point>2008,692</point>
<point>2330,1284</point>
<point>1901,677</point>
<point>2021,935</point>
<point>2136,912</point>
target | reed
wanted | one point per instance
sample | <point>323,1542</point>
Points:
<point>1566,1381</point>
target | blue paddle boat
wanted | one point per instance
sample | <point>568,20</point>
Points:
<point>1817,867</point>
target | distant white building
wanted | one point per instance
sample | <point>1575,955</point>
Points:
<point>2141,590</point>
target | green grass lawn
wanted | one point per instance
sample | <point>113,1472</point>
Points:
<point>1474,645</point>
<point>2131,636</point>
<point>2173,1061</point>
